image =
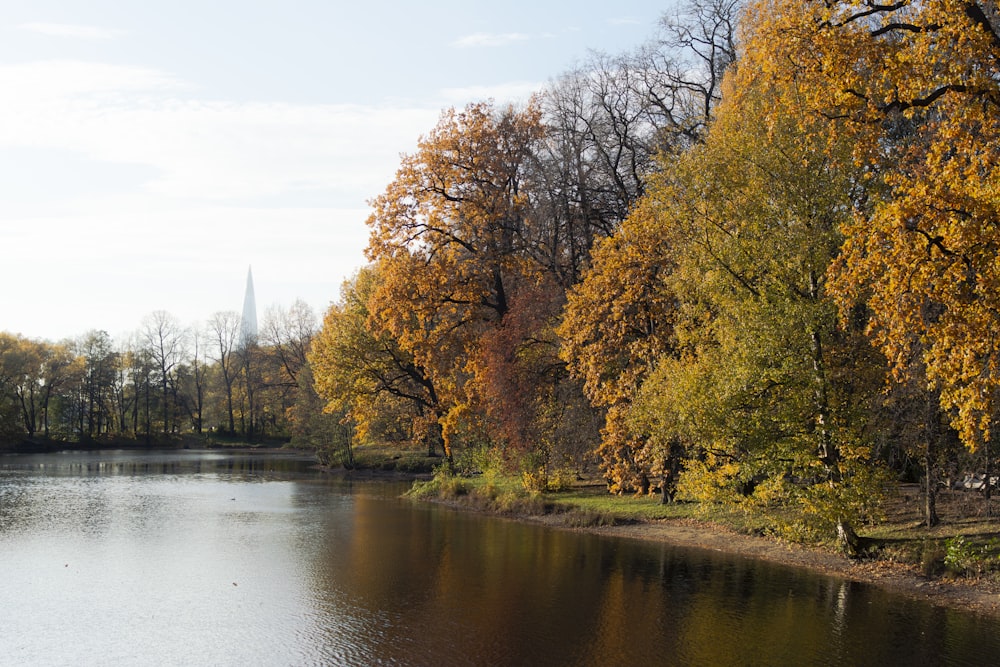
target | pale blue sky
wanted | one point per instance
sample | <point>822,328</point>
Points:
<point>150,151</point>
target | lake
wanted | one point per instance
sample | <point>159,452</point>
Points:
<point>216,558</point>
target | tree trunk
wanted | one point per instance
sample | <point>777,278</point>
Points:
<point>666,493</point>
<point>988,488</point>
<point>849,541</point>
<point>930,499</point>
<point>668,478</point>
<point>931,438</point>
<point>229,404</point>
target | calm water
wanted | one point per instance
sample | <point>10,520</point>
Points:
<point>186,558</point>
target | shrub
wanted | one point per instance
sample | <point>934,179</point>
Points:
<point>444,484</point>
<point>590,519</point>
<point>965,558</point>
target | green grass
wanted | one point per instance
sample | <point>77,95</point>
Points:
<point>632,508</point>
<point>626,507</point>
<point>582,506</point>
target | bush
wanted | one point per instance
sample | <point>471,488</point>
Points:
<point>444,484</point>
<point>534,481</point>
<point>591,519</point>
<point>965,558</point>
<point>561,479</point>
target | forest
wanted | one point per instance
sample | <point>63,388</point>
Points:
<point>753,261</point>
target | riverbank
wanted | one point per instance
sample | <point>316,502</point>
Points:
<point>887,569</point>
<point>979,596</point>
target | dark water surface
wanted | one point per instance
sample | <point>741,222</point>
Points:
<point>206,558</point>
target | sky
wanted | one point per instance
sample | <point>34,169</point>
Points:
<point>151,152</point>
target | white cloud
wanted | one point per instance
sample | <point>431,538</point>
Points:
<point>71,30</point>
<point>514,91</point>
<point>220,151</point>
<point>481,39</point>
<point>203,149</point>
<point>124,262</point>
<point>34,84</point>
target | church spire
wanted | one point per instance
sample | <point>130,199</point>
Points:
<point>248,323</point>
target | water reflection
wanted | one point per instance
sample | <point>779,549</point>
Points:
<point>432,583</point>
<point>244,465</point>
<point>181,558</point>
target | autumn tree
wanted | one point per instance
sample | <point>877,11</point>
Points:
<point>288,333</point>
<point>98,380</point>
<point>913,85</point>
<point>60,374</point>
<point>717,339</point>
<point>617,324</point>
<point>533,404</point>
<point>122,393</point>
<point>138,372</point>
<point>769,391</point>
<point>35,375</point>
<point>449,234</point>
<point>250,388</point>
<point>192,381</point>
<point>285,337</point>
<point>22,361</point>
<point>366,377</point>
<point>9,417</point>
<point>619,318</point>
<point>310,426</point>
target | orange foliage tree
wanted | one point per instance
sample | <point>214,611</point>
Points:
<point>617,324</point>
<point>449,235</point>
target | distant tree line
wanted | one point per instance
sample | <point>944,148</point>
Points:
<point>753,262</point>
<point>166,380</point>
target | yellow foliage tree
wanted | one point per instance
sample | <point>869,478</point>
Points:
<point>914,86</point>
<point>705,322</point>
<point>366,376</point>
<point>766,389</point>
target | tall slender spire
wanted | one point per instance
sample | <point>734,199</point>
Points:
<point>248,323</point>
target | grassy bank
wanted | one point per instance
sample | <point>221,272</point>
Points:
<point>584,503</point>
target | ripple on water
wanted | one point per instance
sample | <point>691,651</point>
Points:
<point>165,567</point>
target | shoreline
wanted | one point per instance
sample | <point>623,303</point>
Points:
<point>954,593</point>
<point>960,594</point>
